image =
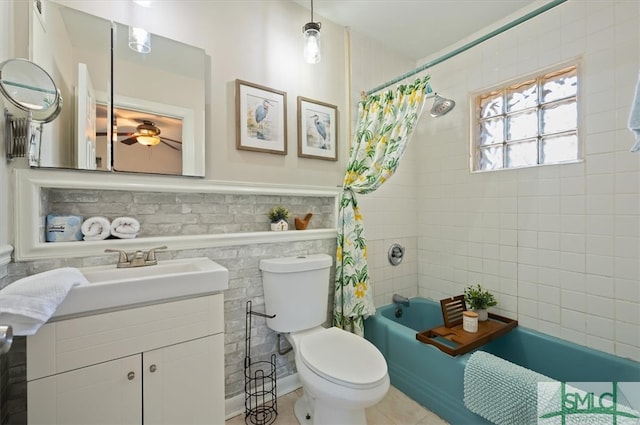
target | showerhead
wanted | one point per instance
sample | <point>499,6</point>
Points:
<point>441,106</point>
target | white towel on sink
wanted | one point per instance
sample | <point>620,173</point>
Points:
<point>125,227</point>
<point>28,303</point>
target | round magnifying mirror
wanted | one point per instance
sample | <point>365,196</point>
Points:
<point>30,88</point>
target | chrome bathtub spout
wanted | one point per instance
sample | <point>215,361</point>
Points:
<point>399,299</point>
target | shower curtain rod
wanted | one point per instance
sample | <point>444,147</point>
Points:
<point>467,46</point>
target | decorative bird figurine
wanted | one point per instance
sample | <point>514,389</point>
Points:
<point>301,224</point>
<point>260,115</point>
<point>322,130</point>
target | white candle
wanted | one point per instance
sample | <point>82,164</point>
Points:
<point>470,321</point>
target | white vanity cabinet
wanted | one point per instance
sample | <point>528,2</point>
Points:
<point>95,394</point>
<point>157,364</point>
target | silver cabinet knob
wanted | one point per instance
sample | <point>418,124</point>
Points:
<point>6,338</point>
<point>153,368</point>
<point>131,376</point>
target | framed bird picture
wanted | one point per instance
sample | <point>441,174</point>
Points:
<point>317,129</point>
<point>261,118</point>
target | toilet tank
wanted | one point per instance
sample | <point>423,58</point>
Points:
<point>296,290</point>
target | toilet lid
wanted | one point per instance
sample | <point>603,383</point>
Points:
<point>343,358</point>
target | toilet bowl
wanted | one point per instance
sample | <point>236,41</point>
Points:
<point>341,373</point>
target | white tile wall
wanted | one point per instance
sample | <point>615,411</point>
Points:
<point>391,212</point>
<point>575,226</point>
<point>558,244</point>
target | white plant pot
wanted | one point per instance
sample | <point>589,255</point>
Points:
<point>483,314</point>
<point>280,226</point>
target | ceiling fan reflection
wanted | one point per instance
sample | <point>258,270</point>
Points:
<point>148,134</point>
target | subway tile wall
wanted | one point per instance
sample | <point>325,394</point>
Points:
<point>559,244</point>
<point>390,213</point>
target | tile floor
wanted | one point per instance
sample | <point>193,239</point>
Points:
<point>395,409</point>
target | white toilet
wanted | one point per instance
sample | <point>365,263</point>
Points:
<point>341,373</point>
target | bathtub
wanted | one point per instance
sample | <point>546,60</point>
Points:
<point>435,379</point>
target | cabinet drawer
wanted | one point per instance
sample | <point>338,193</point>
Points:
<point>75,343</point>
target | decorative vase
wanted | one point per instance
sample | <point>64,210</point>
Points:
<point>280,225</point>
<point>483,314</point>
<point>302,223</point>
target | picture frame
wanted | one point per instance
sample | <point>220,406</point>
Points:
<point>261,118</point>
<point>317,129</point>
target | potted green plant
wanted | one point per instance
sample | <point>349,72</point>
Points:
<point>479,300</point>
<point>278,216</point>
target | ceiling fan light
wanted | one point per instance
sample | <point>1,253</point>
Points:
<point>147,128</point>
<point>148,140</point>
<point>147,132</point>
<point>139,40</point>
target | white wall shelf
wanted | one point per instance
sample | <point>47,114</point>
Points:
<point>28,215</point>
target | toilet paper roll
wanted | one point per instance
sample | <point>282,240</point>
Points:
<point>63,228</point>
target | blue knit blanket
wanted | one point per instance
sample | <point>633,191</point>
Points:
<point>500,391</point>
<point>507,394</point>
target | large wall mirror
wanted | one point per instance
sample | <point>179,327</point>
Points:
<point>141,111</point>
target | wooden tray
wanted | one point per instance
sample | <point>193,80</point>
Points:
<point>456,341</point>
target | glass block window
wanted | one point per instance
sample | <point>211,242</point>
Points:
<point>529,123</point>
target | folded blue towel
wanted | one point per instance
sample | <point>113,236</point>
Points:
<point>634,117</point>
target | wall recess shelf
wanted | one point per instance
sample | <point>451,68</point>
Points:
<point>28,216</point>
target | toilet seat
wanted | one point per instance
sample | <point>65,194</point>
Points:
<point>343,358</point>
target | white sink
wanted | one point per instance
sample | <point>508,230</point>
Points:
<point>110,287</point>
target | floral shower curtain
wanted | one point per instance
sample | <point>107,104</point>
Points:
<point>385,124</point>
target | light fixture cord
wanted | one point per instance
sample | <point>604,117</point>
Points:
<point>311,10</point>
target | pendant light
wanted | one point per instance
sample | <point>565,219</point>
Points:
<point>312,48</point>
<point>139,40</point>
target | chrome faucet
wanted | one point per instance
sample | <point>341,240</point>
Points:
<point>399,299</point>
<point>138,258</point>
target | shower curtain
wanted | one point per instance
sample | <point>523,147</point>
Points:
<point>385,124</point>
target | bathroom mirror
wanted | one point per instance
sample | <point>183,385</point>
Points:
<point>30,88</point>
<point>112,97</point>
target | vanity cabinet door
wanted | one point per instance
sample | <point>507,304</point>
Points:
<point>105,393</point>
<point>184,383</point>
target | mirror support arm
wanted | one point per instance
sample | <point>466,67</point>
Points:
<point>23,135</point>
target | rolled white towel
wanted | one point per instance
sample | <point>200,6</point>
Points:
<point>125,227</point>
<point>96,228</point>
